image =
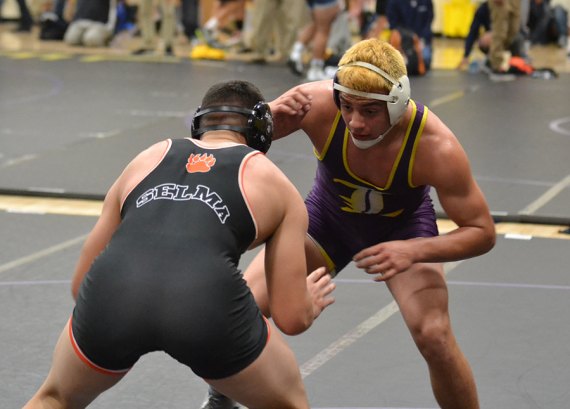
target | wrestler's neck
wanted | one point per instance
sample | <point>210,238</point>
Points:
<point>222,138</point>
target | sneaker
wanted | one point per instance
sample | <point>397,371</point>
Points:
<point>22,28</point>
<point>215,400</point>
<point>330,71</point>
<point>143,51</point>
<point>244,50</point>
<point>210,37</point>
<point>295,64</point>
<point>204,52</point>
<point>500,76</point>
<point>257,59</point>
<point>316,74</point>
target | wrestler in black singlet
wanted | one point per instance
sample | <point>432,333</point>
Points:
<point>168,280</point>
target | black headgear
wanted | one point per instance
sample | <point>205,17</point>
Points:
<point>258,130</point>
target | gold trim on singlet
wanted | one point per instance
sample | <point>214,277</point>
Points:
<point>328,142</point>
<point>396,162</point>
<point>330,265</point>
<point>415,147</point>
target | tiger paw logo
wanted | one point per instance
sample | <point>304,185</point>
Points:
<point>200,163</point>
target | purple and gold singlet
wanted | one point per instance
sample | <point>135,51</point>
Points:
<point>348,214</point>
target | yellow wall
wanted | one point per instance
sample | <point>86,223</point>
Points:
<point>453,17</point>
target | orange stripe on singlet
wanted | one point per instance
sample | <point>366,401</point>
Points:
<point>88,362</point>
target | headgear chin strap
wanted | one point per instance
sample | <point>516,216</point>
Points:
<point>368,143</point>
<point>397,99</point>
<point>258,130</point>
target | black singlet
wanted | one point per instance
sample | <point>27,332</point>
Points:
<point>169,279</point>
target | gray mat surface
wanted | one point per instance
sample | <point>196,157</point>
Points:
<point>69,127</point>
<point>508,310</point>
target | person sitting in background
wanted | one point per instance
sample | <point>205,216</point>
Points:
<point>506,24</point>
<point>416,16</point>
<point>55,22</point>
<point>480,32</point>
<point>380,22</point>
<point>93,23</point>
<point>548,23</point>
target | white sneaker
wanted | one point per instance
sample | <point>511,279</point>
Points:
<point>316,74</point>
<point>295,63</point>
<point>330,71</point>
<point>319,73</point>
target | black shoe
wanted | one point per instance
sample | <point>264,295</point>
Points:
<point>296,66</point>
<point>143,51</point>
<point>244,50</point>
<point>22,29</point>
<point>499,76</point>
<point>256,58</point>
<point>258,61</point>
<point>168,51</point>
<point>215,400</point>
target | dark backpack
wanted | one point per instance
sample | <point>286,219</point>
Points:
<point>410,46</point>
<point>52,27</point>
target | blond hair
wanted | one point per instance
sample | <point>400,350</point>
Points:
<point>376,52</point>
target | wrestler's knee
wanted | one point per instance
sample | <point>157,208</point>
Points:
<point>47,398</point>
<point>434,338</point>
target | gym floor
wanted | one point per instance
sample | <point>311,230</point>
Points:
<point>70,120</point>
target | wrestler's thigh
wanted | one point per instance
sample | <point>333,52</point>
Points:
<point>254,274</point>
<point>255,271</point>
<point>273,380</point>
<point>421,294</point>
<point>315,257</point>
<point>71,380</point>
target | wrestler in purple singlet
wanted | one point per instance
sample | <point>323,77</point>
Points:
<point>348,214</point>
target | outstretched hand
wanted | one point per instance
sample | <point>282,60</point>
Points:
<point>320,286</point>
<point>385,260</point>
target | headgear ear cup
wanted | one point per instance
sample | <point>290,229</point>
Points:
<point>260,127</point>
<point>258,131</point>
<point>401,91</point>
<point>397,99</point>
<point>195,124</point>
<point>336,96</point>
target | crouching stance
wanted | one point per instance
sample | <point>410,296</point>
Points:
<point>159,271</point>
